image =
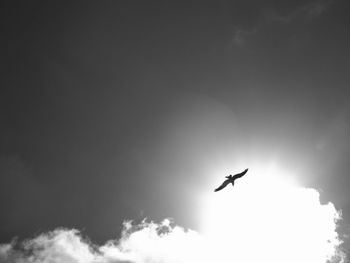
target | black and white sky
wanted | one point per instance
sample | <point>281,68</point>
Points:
<point>116,110</point>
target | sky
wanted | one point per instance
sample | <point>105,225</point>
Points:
<point>125,110</point>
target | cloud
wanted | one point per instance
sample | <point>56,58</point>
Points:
<point>316,8</point>
<point>272,14</point>
<point>147,242</point>
<point>286,234</point>
<point>240,35</point>
<point>309,10</point>
<point>271,214</point>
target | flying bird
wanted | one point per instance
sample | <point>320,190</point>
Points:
<point>230,179</point>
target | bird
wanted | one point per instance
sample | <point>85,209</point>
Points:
<point>230,179</point>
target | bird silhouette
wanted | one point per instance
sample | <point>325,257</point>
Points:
<point>230,179</point>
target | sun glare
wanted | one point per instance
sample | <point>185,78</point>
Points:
<point>268,217</point>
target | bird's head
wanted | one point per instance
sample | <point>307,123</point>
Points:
<point>229,177</point>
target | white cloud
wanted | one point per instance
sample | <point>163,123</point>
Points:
<point>283,230</point>
<point>146,242</point>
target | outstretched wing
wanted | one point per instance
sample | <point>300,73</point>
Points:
<point>240,174</point>
<point>224,184</point>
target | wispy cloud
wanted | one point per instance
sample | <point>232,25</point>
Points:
<point>316,8</point>
<point>308,10</point>
<point>240,35</point>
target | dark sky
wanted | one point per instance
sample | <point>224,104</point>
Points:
<point>114,110</point>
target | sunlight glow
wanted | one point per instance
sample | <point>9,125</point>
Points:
<point>267,217</point>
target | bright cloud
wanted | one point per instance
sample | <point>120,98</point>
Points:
<point>267,217</point>
<point>146,242</point>
<point>263,220</point>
